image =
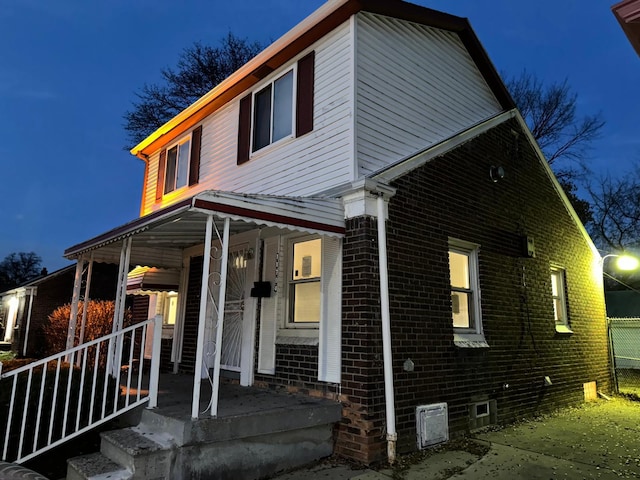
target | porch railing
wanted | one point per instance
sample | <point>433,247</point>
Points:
<point>47,402</point>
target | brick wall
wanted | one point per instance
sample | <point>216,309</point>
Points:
<point>454,196</point>
<point>192,309</point>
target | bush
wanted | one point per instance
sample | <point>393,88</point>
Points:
<point>99,323</point>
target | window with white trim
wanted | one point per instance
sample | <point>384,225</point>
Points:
<point>171,309</point>
<point>304,279</point>
<point>273,112</point>
<point>177,169</point>
<point>465,291</point>
<point>558,294</point>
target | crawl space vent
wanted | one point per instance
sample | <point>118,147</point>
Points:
<point>432,424</point>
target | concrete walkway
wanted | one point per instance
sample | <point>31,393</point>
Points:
<point>599,440</point>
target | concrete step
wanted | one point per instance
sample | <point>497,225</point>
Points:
<point>146,454</point>
<point>210,430</point>
<point>96,466</point>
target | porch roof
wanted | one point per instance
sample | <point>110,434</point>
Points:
<point>160,237</point>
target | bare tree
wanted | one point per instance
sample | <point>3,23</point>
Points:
<point>550,113</point>
<point>616,211</point>
<point>199,69</point>
<point>17,268</point>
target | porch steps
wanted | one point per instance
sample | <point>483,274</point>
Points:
<point>125,454</point>
<point>242,446</point>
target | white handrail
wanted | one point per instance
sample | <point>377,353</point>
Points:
<point>82,400</point>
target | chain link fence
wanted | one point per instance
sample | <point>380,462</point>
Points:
<point>625,346</point>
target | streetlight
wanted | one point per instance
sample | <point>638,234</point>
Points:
<point>625,262</point>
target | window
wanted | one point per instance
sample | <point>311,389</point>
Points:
<point>171,308</point>
<point>273,112</point>
<point>465,294</point>
<point>559,299</point>
<point>179,164</point>
<point>177,171</point>
<point>281,109</point>
<point>305,274</point>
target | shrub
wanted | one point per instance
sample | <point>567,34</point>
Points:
<point>99,323</point>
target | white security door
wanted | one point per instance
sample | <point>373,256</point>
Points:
<point>234,310</point>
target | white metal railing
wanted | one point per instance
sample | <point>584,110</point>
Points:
<point>48,402</point>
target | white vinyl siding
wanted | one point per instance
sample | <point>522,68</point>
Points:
<point>303,166</point>
<point>416,86</point>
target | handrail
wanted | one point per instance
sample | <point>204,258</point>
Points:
<point>52,400</point>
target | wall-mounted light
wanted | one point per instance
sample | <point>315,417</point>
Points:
<point>496,172</point>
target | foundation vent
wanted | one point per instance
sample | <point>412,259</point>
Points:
<point>432,424</point>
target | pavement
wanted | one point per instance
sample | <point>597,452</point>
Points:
<point>597,440</point>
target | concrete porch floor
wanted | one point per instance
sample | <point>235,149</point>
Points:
<point>175,393</point>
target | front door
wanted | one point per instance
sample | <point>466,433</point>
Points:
<point>238,333</point>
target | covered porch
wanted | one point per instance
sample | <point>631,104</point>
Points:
<point>218,245</point>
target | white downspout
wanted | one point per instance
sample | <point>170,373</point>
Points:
<point>389,394</point>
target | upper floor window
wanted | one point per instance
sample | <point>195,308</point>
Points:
<point>177,172</point>
<point>282,108</point>
<point>305,275</point>
<point>558,294</point>
<point>179,164</point>
<point>465,291</point>
<point>273,112</point>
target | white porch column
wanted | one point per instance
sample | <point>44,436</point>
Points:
<point>73,317</point>
<point>123,281</point>
<point>121,267</point>
<point>87,290</point>
<point>195,405</point>
<point>26,331</point>
<point>220,323</point>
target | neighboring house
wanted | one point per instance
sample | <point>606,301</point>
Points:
<point>393,236</point>
<point>627,13</point>
<point>24,310</point>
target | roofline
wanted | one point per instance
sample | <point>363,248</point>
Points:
<point>325,19</point>
<point>128,228</point>
<point>627,13</point>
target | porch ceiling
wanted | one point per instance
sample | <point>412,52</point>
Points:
<point>159,238</point>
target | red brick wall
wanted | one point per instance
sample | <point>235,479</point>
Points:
<point>454,196</point>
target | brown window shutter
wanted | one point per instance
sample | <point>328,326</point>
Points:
<point>244,130</point>
<point>162,163</point>
<point>304,100</point>
<point>194,166</point>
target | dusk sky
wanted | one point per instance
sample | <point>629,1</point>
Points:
<point>70,69</point>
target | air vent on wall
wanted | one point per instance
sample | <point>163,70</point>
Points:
<point>432,424</point>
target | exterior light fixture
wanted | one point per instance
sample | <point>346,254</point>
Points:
<point>496,173</point>
<point>624,262</point>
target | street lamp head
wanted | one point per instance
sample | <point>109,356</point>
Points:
<point>623,261</point>
<point>627,262</point>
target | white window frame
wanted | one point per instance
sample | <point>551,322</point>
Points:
<point>561,318</point>
<point>294,71</point>
<point>471,250</point>
<point>177,144</point>
<point>288,321</point>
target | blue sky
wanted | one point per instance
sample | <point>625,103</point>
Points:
<point>70,69</point>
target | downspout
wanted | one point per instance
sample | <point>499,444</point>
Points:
<point>392,436</point>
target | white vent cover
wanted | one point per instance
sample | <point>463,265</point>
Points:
<point>432,424</point>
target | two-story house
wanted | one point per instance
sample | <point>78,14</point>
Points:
<point>384,229</point>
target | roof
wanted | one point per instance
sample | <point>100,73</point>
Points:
<point>627,13</point>
<point>151,279</point>
<point>161,236</point>
<point>34,282</point>
<point>329,16</point>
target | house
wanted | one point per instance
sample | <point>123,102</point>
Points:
<point>24,310</point>
<point>383,227</point>
<point>627,13</point>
